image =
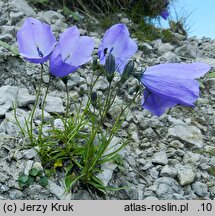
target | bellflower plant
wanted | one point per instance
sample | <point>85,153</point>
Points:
<point>71,52</point>
<point>118,43</point>
<point>35,41</point>
<point>82,146</point>
<point>170,84</point>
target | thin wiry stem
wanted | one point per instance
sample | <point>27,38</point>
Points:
<point>43,110</point>
<point>67,101</point>
<point>35,105</point>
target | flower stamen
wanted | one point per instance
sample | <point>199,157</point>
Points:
<point>39,52</point>
<point>68,56</point>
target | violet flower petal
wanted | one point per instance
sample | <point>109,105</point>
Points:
<point>68,39</point>
<point>123,51</point>
<point>117,41</point>
<point>171,84</point>
<point>82,51</point>
<point>179,70</point>
<point>58,67</point>
<point>35,41</point>
<point>164,14</point>
<point>111,37</point>
<point>155,104</point>
<point>181,91</point>
<point>72,51</point>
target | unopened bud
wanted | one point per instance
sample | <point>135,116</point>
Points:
<point>93,98</point>
<point>128,70</point>
<point>110,67</point>
<point>95,64</point>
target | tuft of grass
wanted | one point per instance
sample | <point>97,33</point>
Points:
<point>203,151</point>
<point>180,23</point>
<point>168,37</point>
<point>211,170</point>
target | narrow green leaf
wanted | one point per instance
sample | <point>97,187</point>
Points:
<point>98,181</point>
<point>11,48</point>
<point>70,180</point>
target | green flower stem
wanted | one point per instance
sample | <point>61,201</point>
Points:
<point>30,133</point>
<point>108,101</point>
<point>92,158</point>
<point>90,161</point>
<point>17,120</point>
<point>42,115</point>
<point>67,102</point>
<point>114,129</point>
<point>90,152</point>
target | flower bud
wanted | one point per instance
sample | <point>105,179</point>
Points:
<point>110,67</point>
<point>94,97</point>
<point>128,70</point>
<point>95,65</point>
